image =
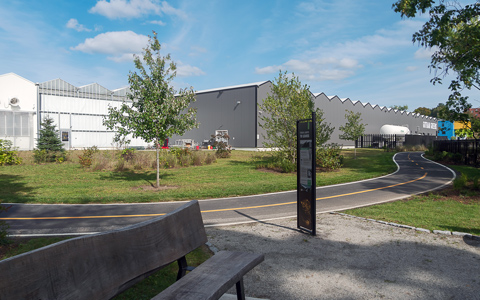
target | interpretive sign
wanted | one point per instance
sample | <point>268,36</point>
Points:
<point>306,175</point>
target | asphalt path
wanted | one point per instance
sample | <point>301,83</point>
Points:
<point>414,175</point>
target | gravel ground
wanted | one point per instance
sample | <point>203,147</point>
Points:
<point>353,259</point>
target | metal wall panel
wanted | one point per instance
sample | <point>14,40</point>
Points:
<point>374,116</point>
<point>231,109</point>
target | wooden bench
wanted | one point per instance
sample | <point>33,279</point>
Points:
<point>103,265</point>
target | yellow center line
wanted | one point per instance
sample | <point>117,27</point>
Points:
<point>218,210</point>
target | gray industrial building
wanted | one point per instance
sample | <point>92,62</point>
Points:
<point>78,114</point>
<point>235,110</point>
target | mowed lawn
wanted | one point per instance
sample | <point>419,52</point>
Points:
<point>235,176</point>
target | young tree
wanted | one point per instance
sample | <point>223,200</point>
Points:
<point>453,33</point>
<point>353,129</point>
<point>154,111</point>
<point>288,102</point>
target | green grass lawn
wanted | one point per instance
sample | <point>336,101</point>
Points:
<point>235,176</point>
<point>448,209</point>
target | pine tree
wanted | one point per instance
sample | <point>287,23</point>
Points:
<point>49,145</point>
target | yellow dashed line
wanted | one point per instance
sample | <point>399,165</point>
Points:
<point>217,210</point>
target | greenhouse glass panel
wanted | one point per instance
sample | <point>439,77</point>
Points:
<point>9,123</point>
<point>3,124</point>
<point>25,124</point>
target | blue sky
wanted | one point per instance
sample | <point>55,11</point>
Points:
<point>357,49</point>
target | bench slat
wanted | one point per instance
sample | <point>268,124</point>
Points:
<point>212,278</point>
<point>99,266</point>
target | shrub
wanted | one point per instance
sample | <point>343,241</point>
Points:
<point>170,162</point>
<point>86,159</point>
<point>220,142</point>
<point>120,165</point>
<point>8,156</point>
<point>209,158</point>
<point>475,184</point>
<point>144,159</point>
<point>286,165</point>
<point>183,157</point>
<point>198,158</point>
<point>128,154</point>
<point>460,182</point>
<point>44,156</point>
<point>328,157</point>
<point>100,162</point>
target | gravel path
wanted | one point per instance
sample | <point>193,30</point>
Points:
<point>353,259</point>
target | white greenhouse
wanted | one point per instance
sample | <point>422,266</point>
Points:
<point>77,112</point>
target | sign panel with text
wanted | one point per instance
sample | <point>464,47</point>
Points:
<point>306,175</point>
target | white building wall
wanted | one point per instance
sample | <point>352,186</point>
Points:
<point>18,122</point>
<point>83,119</point>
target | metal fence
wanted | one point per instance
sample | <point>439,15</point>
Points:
<point>468,149</point>
<point>422,140</point>
<point>389,141</point>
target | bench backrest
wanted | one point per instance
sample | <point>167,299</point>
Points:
<point>101,265</point>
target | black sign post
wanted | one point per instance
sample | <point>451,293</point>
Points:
<point>306,175</point>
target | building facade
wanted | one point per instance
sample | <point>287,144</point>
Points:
<point>78,114</point>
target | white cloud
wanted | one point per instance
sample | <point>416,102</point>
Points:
<point>329,68</point>
<point>342,60</point>
<point>116,9</point>
<point>158,22</point>
<point>267,70</point>
<point>425,53</point>
<point>120,44</point>
<point>185,70</point>
<point>73,24</point>
<point>122,58</point>
<point>411,68</point>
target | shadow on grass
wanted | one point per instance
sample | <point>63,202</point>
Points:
<point>148,178</point>
<point>14,189</point>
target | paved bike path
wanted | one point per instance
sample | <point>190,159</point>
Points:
<point>415,175</point>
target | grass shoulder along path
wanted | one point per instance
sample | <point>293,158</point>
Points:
<point>448,209</point>
<point>236,176</point>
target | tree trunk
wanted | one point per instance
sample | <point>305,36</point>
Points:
<point>158,163</point>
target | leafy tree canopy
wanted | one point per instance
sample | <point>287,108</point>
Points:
<point>423,111</point>
<point>453,32</point>
<point>288,102</point>
<point>436,110</point>
<point>353,128</point>
<point>400,107</point>
<point>155,110</point>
